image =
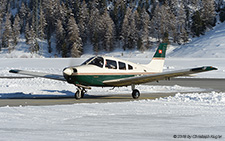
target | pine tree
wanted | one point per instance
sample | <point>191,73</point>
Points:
<point>16,29</point>
<point>2,13</point>
<point>198,26</point>
<point>129,31</point>
<point>74,40</point>
<point>59,36</point>
<point>163,23</point>
<point>49,7</point>
<point>117,15</point>
<point>208,13</point>
<point>83,21</point>
<point>143,40</point>
<point>64,50</point>
<point>1,19</point>
<point>180,33</point>
<point>94,25</point>
<point>34,47</point>
<point>155,23</point>
<point>23,11</point>
<point>133,37</point>
<point>125,33</point>
<point>108,31</point>
<point>42,24</point>
<point>7,41</point>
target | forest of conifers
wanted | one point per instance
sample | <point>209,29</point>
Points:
<point>105,24</point>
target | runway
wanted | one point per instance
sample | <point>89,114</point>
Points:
<point>86,99</point>
<point>209,84</point>
<point>215,84</point>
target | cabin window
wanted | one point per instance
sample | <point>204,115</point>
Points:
<point>110,64</point>
<point>122,66</point>
<point>87,61</point>
<point>130,67</point>
<point>97,61</point>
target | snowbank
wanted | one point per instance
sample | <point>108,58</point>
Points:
<point>208,98</point>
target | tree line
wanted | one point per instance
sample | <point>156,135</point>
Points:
<point>106,24</point>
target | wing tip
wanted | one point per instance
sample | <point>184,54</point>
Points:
<point>14,71</point>
<point>205,68</point>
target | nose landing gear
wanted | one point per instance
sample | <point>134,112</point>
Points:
<point>80,91</point>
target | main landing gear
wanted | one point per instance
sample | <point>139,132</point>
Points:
<point>135,93</point>
<point>81,91</point>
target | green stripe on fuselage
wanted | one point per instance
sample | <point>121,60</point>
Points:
<point>96,80</point>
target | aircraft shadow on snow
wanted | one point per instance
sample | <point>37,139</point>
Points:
<point>62,94</point>
<point>21,95</point>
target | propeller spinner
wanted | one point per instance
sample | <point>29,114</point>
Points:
<point>68,71</point>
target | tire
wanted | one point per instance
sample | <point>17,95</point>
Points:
<point>78,94</point>
<point>82,94</point>
<point>135,94</point>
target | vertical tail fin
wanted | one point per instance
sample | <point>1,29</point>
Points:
<point>157,62</point>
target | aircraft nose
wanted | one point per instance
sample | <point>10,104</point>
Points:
<point>68,71</point>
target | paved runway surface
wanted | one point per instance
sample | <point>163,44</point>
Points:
<point>86,99</point>
<point>209,84</point>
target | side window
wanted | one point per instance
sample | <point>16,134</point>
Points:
<point>110,64</point>
<point>130,67</point>
<point>122,66</point>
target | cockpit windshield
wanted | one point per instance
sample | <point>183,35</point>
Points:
<point>97,61</point>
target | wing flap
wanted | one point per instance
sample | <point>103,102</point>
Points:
<point>40,74</point>
<point>155,77</point>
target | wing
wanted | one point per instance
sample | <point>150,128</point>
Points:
<point>39,74</point>
<point>155,77</point>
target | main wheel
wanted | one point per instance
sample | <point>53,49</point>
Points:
<point>135,94</point>
<point>78,94</point>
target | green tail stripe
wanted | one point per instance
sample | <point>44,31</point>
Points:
<point>161,51</point>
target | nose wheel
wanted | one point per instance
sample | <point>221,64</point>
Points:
<point>79,93</point>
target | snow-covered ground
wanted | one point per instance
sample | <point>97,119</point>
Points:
<point>193,115</point>
<point>184,116</point>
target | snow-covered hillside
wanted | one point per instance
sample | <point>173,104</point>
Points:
<point>210,45</point>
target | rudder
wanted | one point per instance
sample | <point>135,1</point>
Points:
<point>157,62</point>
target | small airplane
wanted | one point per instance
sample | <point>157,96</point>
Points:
<point>103,71</point>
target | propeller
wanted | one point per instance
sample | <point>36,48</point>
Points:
<point>68,71</point>
<point>72,62</point>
